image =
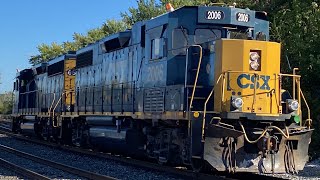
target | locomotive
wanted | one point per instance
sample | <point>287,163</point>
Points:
<point>199,86</point>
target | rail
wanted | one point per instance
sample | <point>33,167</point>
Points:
<point>186,174</point>
<point>22,171</point>
<point>63,167</point>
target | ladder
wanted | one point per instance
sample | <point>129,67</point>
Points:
<point>197,97</point>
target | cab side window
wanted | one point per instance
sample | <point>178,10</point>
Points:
<point>157,48</point>
<point>179,41</point>
<point>156,41</point>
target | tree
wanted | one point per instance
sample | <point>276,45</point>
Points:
<point>6,103</point>
<point>296,24</point>
<point>47,52</point>
<point>113,26</point>
<point>146,9</point>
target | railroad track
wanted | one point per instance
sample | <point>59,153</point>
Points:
<point>186,174</point>
<point>21,170</point>
<point>34,175</point>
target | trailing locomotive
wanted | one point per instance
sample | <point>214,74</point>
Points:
<point>199,85</point>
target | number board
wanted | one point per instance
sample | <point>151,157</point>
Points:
<point>215,15</point>
<point>226,16</point>
<point>243,17</point>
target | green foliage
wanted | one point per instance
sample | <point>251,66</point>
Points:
<point>113,26</point>
<point>146,9</point>
<point>297,25</point>
<point>6,103</point>
<point>47,52</point>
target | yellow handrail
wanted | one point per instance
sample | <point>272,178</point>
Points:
<point>56,108</point>
<point>197,75</point>
<point>54,98</point>
<point>309,120</point>
<point>254,93</point>
<point>205,104</point>
<point>294,83</point>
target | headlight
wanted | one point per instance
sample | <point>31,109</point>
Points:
<point>254,56</point>
<point>237,103</point>
<point>254,60</point>
<point>293,105</point>
<point>254,65</point>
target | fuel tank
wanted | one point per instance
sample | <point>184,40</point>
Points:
<point>127,141</point>
<point>27,127</point>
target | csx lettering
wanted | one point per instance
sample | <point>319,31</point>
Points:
<point>262,79</point>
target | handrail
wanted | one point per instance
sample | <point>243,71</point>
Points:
<point>254,93</point>
<point>309,120</point>
<point>54,98</point>
<point>197,75</point>
<point>54,109</point>
<point>29,92</point>
<point>289,75</point>
<point>223,89</point>
<point>294,84</point>
<point>205,104</point>
<point>186,69</point>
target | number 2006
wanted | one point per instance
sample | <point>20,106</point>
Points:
<point>242,17</point>
<point>214,15</point>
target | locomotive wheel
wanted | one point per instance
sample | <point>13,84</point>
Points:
<point>79,137</point>
<point>162,160</point>
<point>197,164</point>
<point>76,138</point>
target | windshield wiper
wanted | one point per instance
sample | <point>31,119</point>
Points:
<point>185,34</point>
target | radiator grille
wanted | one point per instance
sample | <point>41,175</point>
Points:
<point>56,68</point>
<point>154,100</point>
<point>84,59</point>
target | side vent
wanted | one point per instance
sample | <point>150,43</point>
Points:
<point>56,68</point>
<point>154,100</point>
<point>84,59</point>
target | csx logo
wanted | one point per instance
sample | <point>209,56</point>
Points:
<point>262,81</point>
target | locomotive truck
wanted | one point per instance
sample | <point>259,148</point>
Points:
<point>200,85</point>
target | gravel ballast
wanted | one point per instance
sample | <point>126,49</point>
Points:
<point>92,164</point>
<point>117,169</point>
<point>36,167</point>
<point>10,175</point>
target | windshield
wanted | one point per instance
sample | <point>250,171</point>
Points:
<point>206,35</point>
<point>238,34</point>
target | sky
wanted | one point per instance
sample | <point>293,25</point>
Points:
<point>25,24</point>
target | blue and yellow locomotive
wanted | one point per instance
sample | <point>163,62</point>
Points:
<point>198,85</point>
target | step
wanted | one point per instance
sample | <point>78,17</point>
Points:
<point>198,98</point>
<point>191,86</point>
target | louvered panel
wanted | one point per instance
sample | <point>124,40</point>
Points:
<point>154,100</point>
